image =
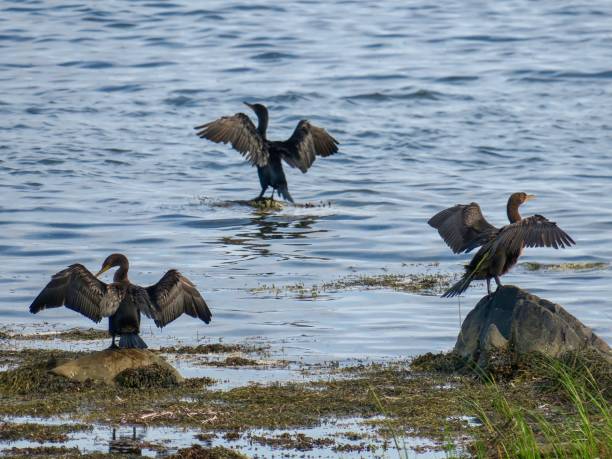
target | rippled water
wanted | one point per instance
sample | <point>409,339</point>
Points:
<point>433,104</point>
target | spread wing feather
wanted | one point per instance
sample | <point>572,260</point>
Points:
<point>78,289</point>
<point>307,142</point>
<point>535,231</point>
<point>241,133</point>
<point>463,227</point>
<point>172,296</point>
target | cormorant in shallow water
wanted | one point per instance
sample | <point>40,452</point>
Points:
<point>299,150</point>
<point>464,228</point>
<point>121,301</point>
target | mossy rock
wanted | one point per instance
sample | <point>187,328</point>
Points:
<point>104,366</point>
<point>517,322</point>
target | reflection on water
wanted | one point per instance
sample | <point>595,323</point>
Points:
<point>264,226</point>
<point>126,444</point>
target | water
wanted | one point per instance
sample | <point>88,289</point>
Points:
<point>145,440</point>
<point>433,105</point>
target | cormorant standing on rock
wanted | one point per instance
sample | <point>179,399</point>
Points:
<point>464,228</point>
<point>121,301</point>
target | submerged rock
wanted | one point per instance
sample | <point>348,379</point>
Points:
<point>104,366</point>
<point>515,322</point>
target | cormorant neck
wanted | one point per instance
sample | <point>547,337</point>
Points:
<point>513,211</point>
<point>262,125</point>
<point>121,273</point>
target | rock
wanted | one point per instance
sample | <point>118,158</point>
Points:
<point>515,321</point>
<point>104,366</point>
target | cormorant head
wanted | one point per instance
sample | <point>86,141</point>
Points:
<point>116,259</point>
<point>520,198</point>
<point>260,110</point>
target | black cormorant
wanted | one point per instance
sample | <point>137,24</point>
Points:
<point>299,150</point>
<point>121,301</point>
<point>464,228</point>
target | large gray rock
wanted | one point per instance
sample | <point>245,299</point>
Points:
<point>104,366</point>
<point>517,322</point>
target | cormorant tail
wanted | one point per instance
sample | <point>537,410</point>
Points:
<point>284,192</point>
<point>460,286</point>
<point>132,340</point>
<point>464,282</point>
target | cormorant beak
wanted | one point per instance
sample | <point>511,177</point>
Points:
<point>529,197</point>
<point>103,270</point>
<point>248,105</point>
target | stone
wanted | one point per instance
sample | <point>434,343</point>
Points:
<point>104,366</point>
<point>513,320</point>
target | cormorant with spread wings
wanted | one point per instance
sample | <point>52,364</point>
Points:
<point>121,301</point>
<point>300,150</point>
<point>463,228</point>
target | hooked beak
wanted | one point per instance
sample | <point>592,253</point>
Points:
<point>248,105</point>
<point>530,197</point>
<point>103,270</point>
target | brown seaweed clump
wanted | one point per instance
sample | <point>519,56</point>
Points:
<point>151,376</point>
<point>200,452</point>
<point>34,376</point>
<point>39,433</point>
<point>41,451</point>
<point>298,441</point>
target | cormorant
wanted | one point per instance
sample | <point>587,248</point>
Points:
<point>121,301</point>
<point>464,228</point>
<point>299,150</point>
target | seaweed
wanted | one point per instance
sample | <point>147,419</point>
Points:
<point>200,452</point>
<point>39,433</point>
<point>424,284</point>
<point>299,441</point>
<point>146,377</point>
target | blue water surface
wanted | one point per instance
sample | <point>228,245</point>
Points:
<point>434,103</point>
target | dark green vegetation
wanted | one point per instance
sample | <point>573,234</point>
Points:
<point>536,405</point>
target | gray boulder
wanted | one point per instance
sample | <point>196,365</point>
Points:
<point>516,322</point>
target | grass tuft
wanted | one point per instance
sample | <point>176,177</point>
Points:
<point>581,427</point>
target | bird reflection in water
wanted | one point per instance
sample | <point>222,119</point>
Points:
<point>266,227</point>
<point>126,444</point>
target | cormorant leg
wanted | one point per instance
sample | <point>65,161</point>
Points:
<point>499,284</point>
<point>113,345</point>
<point>272,197</point>
<point>488,286</point>
<point>260,197</point>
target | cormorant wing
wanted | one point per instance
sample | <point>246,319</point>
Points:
<point>305,143</point>
<point>241,133</point>
<point>463,227</point>
<point>535,231</point>
<point>78,289</point>
<point>172,296</point>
